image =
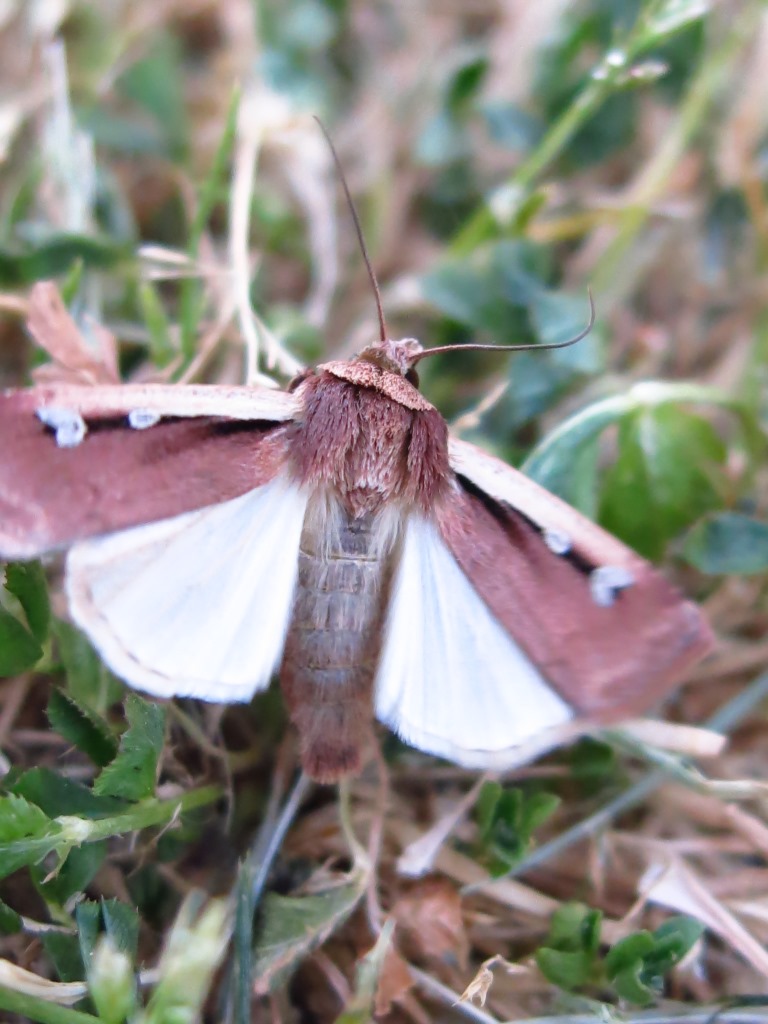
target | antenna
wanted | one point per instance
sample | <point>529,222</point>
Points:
<point>358,229</point>
<point>512,348</point>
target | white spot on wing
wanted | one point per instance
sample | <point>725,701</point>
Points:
<point>142,419</point>
<point>451,680</point>
<point>68,425</point>
<point>558,542</point>
<point>197,605</point>
<point>607,581</point>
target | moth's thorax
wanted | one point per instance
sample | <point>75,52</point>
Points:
<point>369,437</point>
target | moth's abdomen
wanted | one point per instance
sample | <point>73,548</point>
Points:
<point>334,639</point>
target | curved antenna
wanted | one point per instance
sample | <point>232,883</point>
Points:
<point>513,348</point>
<point>358,229</point>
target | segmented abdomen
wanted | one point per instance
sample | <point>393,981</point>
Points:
<point>334,640</point>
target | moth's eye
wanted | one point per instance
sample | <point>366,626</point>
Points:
<point>412,377</point>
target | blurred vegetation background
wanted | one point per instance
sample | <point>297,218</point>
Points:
<point>161,163</point>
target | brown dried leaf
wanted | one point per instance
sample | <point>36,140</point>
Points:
<point>56,332</point>
<point>431,926</point>
<point>395,982</point>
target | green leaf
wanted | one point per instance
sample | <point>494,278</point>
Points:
<point>637,964</point>
<point>89,682</point>
<point>121,922</point>
<point>82,727</point>
<point>728,543</point>
<point>161,347</point>
<point>19,650</point>
<point>485,808</point>
<point>575,926</point>
<point>26,581</point>
<point>568,970</point>
<point>569,956</point>
<point>557,317</point>
<point>55,794</point>
<point>673,941</point>
<point>291,927</point>
<point>155,84</point>
<point>593,763</point>
<point>133,773</point>
<point>73,876</point>
<point>360,1007</point>
<point>627,951</point>
<point>26,834</point>
<point>10,922</point>
<point>662,479</point>
<point>507,819</point>
<point>629,985</point>
<point>555,462</point>
<point>19,819</point>
<point>56,256</point>
<point>64,951</point>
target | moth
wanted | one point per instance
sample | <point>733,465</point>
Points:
<point>337,535</point>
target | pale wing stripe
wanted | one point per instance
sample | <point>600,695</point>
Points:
<point>197,605</point>
<point>238,403</point>
<point>451,681</point>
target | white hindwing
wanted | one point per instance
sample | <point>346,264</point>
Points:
<point>451,681</point>
<point>197,605</point>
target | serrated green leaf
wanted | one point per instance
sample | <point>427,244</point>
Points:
<point>88,919</point>
<point>133,773</point>
<point>64,951</point>
<point>728,543</point>
<point>19,650</point>
<point>89,682</point>
<point>19,819</point>
<point>293,926</point>
<point>55,794</point>
<point>82,727</point>
<point>73,876</point>
<point>26,834</point>
<point>121,922</point>
<point>26,581</point>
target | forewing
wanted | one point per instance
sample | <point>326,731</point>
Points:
<point>188,447</point>
<point>451,679</point>
<point>545,571</point>
<point>197,605</point>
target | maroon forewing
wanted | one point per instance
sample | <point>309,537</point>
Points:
<point>608,662</point>
<point>117,476</point>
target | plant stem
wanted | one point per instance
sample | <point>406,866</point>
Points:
<point>605,79</point>
<point>34,1009</point>
<point>145,814</point>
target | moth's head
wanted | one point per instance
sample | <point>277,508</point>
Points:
<point>393,356</point>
